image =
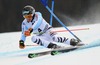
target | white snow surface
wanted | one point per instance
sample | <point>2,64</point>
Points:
<point>10,54</point>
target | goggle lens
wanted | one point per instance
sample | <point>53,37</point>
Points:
<point>28,16</point>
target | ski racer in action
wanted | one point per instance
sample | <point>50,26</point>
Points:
<point>36,24</point>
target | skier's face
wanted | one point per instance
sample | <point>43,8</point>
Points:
<point>28,17</point>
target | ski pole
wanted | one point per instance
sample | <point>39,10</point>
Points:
<point>52,8</point>
<point>61,23</point>
<point>78,29</point>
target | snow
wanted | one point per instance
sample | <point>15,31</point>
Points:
<point>10,54</point>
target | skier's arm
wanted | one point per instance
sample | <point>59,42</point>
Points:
<point>36,24</point>
<point>38,21</point>
<point>23,37</point>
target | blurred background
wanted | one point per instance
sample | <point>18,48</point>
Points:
<point>70,12</point>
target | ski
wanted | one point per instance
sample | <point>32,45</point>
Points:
<point>64,50</point>
<point>33,55</point>
<point>53,51</point>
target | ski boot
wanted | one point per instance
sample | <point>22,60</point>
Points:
<point>54,46</point>
<point>75,42</point>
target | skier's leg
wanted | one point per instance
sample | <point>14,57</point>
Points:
<point>65,40</point>
<point>41,41</point>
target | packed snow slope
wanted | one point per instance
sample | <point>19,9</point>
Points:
<point>10,54</point>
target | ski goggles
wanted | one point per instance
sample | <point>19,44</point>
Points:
<point>28,16</point>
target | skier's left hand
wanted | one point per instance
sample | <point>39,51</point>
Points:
<point>27,33</point>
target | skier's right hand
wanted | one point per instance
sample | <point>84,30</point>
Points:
<point>21,44</point>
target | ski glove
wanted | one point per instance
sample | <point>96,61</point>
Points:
<point>21,44</point>
<point>28,32</point>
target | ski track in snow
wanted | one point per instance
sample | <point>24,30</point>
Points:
<point>10,54</point>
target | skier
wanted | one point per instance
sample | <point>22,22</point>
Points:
<point>34,22</point>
